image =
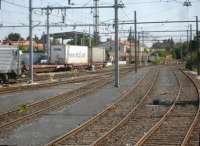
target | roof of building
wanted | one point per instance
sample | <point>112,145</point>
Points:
<point>68,35</point>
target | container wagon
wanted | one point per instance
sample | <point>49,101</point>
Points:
<point>77,57</point>
<point>10,64</point>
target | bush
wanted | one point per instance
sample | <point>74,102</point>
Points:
<point>189,65</point>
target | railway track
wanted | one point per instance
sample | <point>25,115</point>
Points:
<point>12,119</point>
<point>176,126</point>
<point>99,125</point>
<point>193,135</point>
<point>20,87</point>
<point>140,119</point>
<point>49,84</point>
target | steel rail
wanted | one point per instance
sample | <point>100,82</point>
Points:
<point>58,101</point>
<point>195,121</point>
<point>163,119</point>
<point>92,120</point>
<point>37,112</point>
<point>50,84</point>
<point>159,123</point>
<point>98,142</point>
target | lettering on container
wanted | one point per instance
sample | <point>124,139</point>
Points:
<point>77,55</point>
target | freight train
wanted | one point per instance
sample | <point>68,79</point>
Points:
<point>63,57</point>
<point>10,63</point>
<point>77,56</point>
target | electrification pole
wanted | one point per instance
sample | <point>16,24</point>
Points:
<point>187,38</point>
<point>197,35</point>
<point>135,19</point>
<point>116,7</point>
<point>90,46</point>
<point>96,21</point>
<point>48,36</point>
<point>116,45</point>
<point>139,49</point>
<point>191,41</point>
<point>30,42</point>
<point>130,41</point>
<point>142,51</point>
<point>181,51</point>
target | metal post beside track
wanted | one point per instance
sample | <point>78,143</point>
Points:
<point>30,42</point>
<point>48,36</point>
<point>190,42</point>
<point>116,46</point>
<point>135,19</point>
<point>198,49</point>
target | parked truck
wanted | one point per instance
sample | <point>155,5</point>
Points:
<point>10,63</point>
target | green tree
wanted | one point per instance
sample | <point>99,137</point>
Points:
<point>14,37</point>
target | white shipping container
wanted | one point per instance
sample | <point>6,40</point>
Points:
<point>76,55</point>
<point>68,54</point>
<point>98,55</point>
<point>58,54</point>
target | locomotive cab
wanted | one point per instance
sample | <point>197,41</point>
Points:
<point>10,63</point>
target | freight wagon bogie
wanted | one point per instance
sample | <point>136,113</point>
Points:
<point>8,77</point>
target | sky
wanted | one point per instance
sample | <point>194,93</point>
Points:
<point>15,12</point>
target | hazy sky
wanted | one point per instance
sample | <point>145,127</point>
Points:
<point>147,10</point>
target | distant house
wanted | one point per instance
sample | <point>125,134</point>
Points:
<point>124,49</point>
<point>24,44</point>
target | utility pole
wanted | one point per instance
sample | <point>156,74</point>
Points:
<point>187,38</point>
<point>76,39</point>
<point>83,39</point>
<point>90,46</point>
<point>116,7</point>
<point>30,42</point>
<point>96,21</point>
<point>197,35</point>
<point>181,51</point>
<point>139,48</point>
<point>142,51</point>
<point>190,41</point>
<point>130,41</point>
<point>135,19</point>
<point>48,35</point>
<point>116,45</point>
